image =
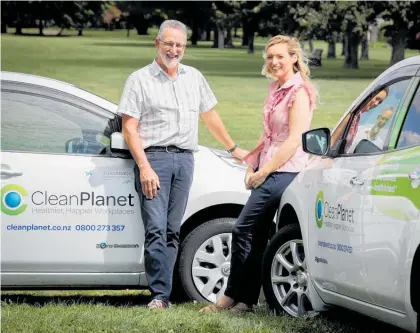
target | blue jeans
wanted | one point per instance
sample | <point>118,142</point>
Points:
<point>162,217</point>
<point>250,237</point>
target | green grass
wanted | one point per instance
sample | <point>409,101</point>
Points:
<point>100,62</point>
<point>125,311</point>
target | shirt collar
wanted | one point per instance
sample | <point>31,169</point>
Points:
<point>155,69</point>
<point>296,79</point>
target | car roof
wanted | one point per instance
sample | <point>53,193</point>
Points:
<point>60,86</point>
<point>415,60</point>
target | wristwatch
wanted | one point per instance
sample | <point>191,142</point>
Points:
<point>231,150</point>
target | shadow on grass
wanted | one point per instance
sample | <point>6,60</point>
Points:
<point>223,67</point>
<point>151,43</point>
<point>108,300</point>
<point>38,35</point>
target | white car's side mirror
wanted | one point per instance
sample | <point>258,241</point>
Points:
<point>118,142</point>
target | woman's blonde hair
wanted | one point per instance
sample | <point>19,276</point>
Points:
<point>294,47</point>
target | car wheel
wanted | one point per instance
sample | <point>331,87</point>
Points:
<point>285,278</point>
<point>204,263</point>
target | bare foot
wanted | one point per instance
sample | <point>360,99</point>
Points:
<point>241,307</point>
<point>224,303</point>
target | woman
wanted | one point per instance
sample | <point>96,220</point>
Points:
<point>273,165</point>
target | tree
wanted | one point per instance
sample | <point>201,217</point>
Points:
<point>249,17</point>
<point>110,16</point>
<point>330,27</point>
<point>85,11</point>
<point>402,17</point>
<point>225,17</point>
<point>141,14</point>
<point>355,22</point>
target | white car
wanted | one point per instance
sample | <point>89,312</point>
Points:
<point>70,213</point>
<point>349,225</point>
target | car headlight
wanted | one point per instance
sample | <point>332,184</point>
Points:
<point>229,159</point>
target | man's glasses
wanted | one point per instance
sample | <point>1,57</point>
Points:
<point>170,45</point>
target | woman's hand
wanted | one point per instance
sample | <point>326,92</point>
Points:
<point>249,173</point>
<point>258,178</point>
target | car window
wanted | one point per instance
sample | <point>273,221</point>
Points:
<point>410,133</point>
<point>35,123</point>
<point>371,124</point>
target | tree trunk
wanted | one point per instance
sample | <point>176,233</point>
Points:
<point>80,32</point>
<point>344,49</point>
<point>215,37</point>
<point>61,31</point>
<point>18,25</point>
<point>128,31</point>
<point>220,38</point>
<point>228,39</point>
<point>195,33</point>
<point>245,34</point>
<point>365,47</point>
<point>3,28</point>
<point>331,50</point>
<point>351,60</point>
<point>398,45</point>
<point>208,34</point>
<point>142,25</point>
<point>41,28</point>
<point>251,43</point>
<point>311,46</point>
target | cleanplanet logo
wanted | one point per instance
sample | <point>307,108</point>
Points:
<point>16,199</point>
<point>319,209</point>
<point>326,212</point>
<point>12,199</point>
<point>83,203</point>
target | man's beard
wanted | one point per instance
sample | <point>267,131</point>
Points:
<point>169,64</point>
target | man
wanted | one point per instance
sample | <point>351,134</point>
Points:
<point>160,105</point>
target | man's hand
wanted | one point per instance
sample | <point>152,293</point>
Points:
<point>258,178</point>
<point>249,173</point>
<point>149,182</point>
<point>239,153</point>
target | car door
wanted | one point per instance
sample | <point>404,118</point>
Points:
<point>69,209</point>
<point>391,208</point>
<point>338,196</point>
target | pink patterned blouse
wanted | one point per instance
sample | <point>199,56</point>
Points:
<point>276,125</point>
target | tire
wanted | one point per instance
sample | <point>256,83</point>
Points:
<point>294,277</point>
<point>207,247</point>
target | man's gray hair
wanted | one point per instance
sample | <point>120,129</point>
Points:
<point>172,24</point>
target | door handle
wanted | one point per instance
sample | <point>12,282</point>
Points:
<point>356,181</point>
<point>11,173</point>
<point>414,175</point>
